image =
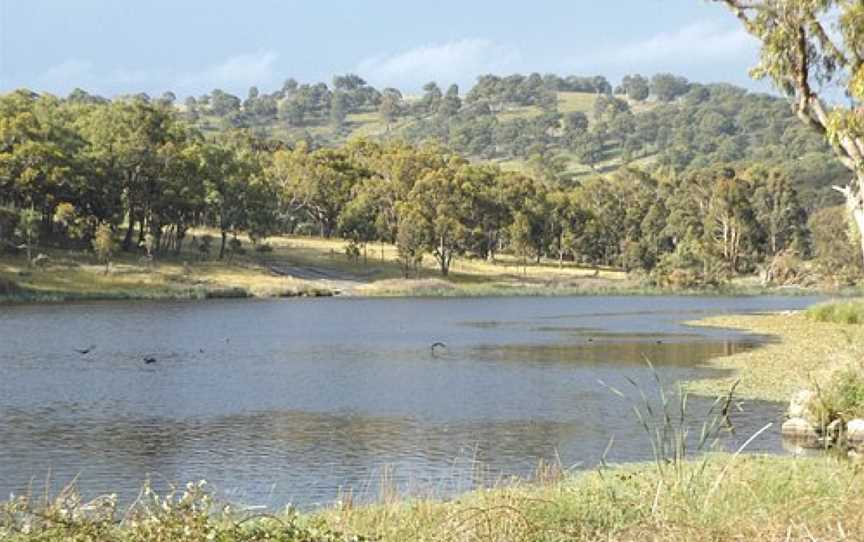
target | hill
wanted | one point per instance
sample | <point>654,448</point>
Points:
<point>558,128</point>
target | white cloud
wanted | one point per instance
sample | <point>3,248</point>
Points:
<point>71,69</point>
<point>459,61</point>
<point>693,44</point>
<point>235,74</point>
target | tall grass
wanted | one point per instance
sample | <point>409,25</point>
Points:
<point>838,312</point>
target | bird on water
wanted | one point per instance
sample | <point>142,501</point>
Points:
<point>149,360</point>
<point>87,350</point>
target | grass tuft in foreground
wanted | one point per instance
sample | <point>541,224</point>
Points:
<point>728,497</point>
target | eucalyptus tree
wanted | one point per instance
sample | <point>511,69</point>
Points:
<point>318,183</point>
<point>811,48</point>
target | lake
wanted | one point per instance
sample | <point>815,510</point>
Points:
<point>301,401</point>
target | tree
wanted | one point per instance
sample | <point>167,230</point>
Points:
<point>103,245</point>
<point>666,87</point>
<point>319,183</point>
<point>358,220</point>
<point>443,205</point>
<point>391,106</point>
<point>451,103</point>
<point>432,96</point>
<point>412,238</point>
<point>808,46</point>
<point>28,231</point>
<point>588,149</point>
<point>339,109</point>
<point>636,87</point>
<point>520,239</point>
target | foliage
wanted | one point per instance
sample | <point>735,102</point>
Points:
<point>809,47</point>
<point>103,244</point>
<point>28,230</point>
<point>839,312</point>
<point>189,514</point>
<point>141,167</point>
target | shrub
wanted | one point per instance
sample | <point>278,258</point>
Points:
<point>103,244</point>
<point>841,398</point>
<point>352,251</point>
<point>846,312</point>
<point>263,247</point>
<point>188,514</point>
<point>683,270</point>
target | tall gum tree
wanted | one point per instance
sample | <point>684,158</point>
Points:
<point>811,49</point>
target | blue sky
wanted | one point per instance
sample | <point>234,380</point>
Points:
<point>113,47</point>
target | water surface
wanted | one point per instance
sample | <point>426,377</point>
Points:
<point>295,401</point>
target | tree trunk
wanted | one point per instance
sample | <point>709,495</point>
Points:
<point>854,193</point>
<point>222,246</point>
<point>127,239</point>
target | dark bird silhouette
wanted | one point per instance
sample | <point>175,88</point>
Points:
<point>201,350</point>
<point>87,350</point>
<point>149,359</point>
<point>659,341</point>
<point>437,345</point>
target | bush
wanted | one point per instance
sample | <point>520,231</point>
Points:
<point>842,398</point>
<point>263,247</point>
<point>189,514</point>
<point>846,312</point>
<point>682,270</point>
<point>352,251</point>
<point>785,268</point>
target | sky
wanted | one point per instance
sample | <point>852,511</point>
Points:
<point>112,47</point>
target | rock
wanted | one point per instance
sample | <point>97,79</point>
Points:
<point>802,431</point>
<point>798,406</point>
<point>855,432</point>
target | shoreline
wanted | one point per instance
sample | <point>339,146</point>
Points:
<point>798,350</point>
<point>439,289</point>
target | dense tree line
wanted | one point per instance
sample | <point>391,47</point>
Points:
<point>663,118</point>
<point>72,168</point>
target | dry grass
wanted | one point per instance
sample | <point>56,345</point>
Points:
<point>803,351</point>
<point>731,498</point>
<point>724,497</point>
<point>317,263</point>
<point>569,102</point>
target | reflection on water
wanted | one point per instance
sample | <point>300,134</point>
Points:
<point>293,401</point>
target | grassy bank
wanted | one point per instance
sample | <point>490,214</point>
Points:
<point>293,266</point>
<point>726,497</point>
<point>315,266</point>
<point>802,351</point>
